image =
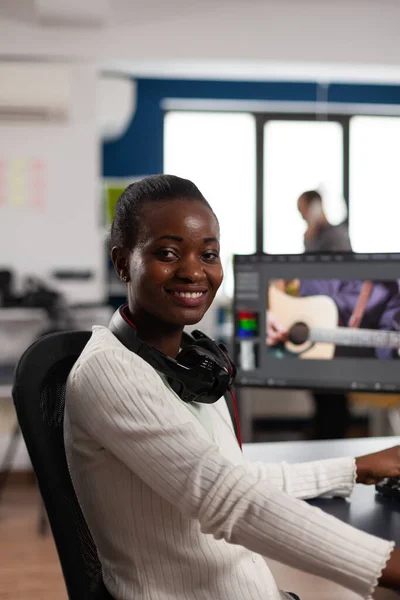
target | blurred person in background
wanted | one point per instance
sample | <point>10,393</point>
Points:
<point>332,415</point>
<point>320,235</point>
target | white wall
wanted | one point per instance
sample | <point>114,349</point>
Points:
<point>228,32</point>
<point>65,232</point>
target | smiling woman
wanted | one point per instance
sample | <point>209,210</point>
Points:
<point>175,509</point>
<point>171,262</point>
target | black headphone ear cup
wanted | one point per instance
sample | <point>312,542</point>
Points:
<point>215,352</point>
<point>187,357</point>
<point>191,356</point>
<point>199,361</point>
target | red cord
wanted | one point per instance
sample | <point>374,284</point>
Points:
<point>124,309</point>
<point>235,409</point>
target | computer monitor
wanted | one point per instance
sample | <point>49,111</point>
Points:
<point>314,338</point>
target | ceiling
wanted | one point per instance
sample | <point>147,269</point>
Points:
<point>346,40</point>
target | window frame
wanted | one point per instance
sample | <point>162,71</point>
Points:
<point>262,117</point>
<point>262,120</point>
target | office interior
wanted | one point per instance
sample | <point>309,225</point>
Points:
<point>256,103</point>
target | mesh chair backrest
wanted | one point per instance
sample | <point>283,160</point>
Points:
<point>39,397</point>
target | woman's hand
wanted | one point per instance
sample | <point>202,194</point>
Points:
<point>371,468</point>
<point>275,332</point>
<point>390,577</point>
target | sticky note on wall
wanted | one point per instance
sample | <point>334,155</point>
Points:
<point>23,183</point>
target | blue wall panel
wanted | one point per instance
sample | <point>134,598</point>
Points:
<point>140,150</point>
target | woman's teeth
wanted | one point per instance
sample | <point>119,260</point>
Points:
<point>188,294</point>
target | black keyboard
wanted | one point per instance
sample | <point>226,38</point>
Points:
<point>390,486</point>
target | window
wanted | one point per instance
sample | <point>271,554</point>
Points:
<point>300,156</point>
<point>374,184</point>
<point>217,152</point>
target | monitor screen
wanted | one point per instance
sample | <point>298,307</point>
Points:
<point>319,321</point>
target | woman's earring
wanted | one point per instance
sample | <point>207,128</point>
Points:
<point>124,278</point>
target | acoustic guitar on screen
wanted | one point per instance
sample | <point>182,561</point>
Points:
<point>313,330</point>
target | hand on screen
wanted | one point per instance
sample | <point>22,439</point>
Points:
<point>275,332</point>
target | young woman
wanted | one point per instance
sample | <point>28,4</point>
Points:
<point>175,510</point>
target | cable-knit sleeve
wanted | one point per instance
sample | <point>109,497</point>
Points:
<point>124,406</point>
<point>329,477</point>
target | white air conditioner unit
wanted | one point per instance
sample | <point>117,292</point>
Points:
<point>34,92</point>
<point>117,100</point>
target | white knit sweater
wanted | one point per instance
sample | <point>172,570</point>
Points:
<point>175,510</point>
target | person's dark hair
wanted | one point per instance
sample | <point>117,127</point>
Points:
<point>129,206</point>
<point>311,196</point>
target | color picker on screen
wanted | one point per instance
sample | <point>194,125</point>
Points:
<point>247,324</point>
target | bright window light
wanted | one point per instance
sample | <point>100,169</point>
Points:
<point>300,156</point>
<point>374,184</point>
<point>217,152</point>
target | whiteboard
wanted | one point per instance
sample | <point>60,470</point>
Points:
<point>50,206</point>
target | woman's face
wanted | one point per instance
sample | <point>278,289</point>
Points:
<point>175,268</point>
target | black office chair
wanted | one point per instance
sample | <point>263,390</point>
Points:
<point>39,398</point>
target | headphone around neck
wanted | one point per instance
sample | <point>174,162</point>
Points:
<point>201,372</point>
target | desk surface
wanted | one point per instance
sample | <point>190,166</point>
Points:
<point>365,509</point>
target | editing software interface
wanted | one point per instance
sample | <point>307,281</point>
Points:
<point>321,321</point>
